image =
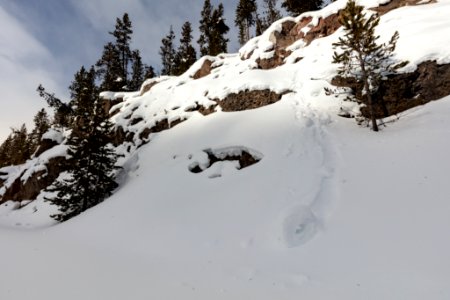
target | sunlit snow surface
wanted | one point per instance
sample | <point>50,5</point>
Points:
<point>331,211</point>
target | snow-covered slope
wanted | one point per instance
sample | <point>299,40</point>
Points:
<point>330,211</point>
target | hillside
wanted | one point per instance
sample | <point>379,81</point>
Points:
<point>240,181</point>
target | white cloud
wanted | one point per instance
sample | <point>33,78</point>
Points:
<point>23,64</point>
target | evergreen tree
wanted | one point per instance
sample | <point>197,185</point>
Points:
<point>122,33</point>
<point>259,25</point>
<point>361,57</point>
<point>205,28</point>
<point>62,111</point>
<point>167,52</point>
<point>109,69</point>
<point>5,151</point>
<point>20,146</point>
<point>213,29</point>
<point>186,54</point>
<point>245,18</point>
<point>149,72</point>
<point>41,125</point>
<point>83,93</point>
<point>271,14</point>
<point>90,169</point>
<point>217,40</point>
<point>137,69</point>
<point>297,7</point>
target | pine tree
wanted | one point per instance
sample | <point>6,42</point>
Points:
<point>245,18</point>
<point>5,151</point>
<point>20,146</point>
<point>137,71</point>
<point>271,14</point>
<point>297,7</point>
<point>361,57</point>
<point>205,28</point>
<point>167,52</point>
<point>259,25</point>
<point>83,93</point>
<point>122,33</point>
<point>90,170</point>
<point>217,40</point>
<point>41,125</point>
<point>109,69</point>
<point>63,112</point>
<point>213,29</point>
<point>186,54</point>
<point>149,72</point>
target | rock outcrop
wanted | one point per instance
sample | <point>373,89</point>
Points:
<point>30,188</point>
<point>204,70</point>
<point>249,99</point>
<point>430,81</point>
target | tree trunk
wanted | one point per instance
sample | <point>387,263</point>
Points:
<point>365,78</point>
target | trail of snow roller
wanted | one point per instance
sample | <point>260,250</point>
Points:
<point>170,232</point>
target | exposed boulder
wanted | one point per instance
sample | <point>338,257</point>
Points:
<point>108,104</point>
<point>45,145</point>
<point>204,70</point>
<point>202,109</point>
<point>148,86</point>
<point>393,4</point>
<point>28,190</point>
<point>159,126</point>
<point>243,156</point>
<point>248,100</point>
<point>325,27</point>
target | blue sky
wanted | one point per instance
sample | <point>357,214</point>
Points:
<point>47,41</point>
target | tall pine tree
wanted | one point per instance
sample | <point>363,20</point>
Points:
<point>137,71</point>
<point>109,69</point>
<point>205,28</point>
<point>218,43</point>
<point>361,57</point>
<point>41,125</point>
<point>122,33</point>
<point>90,170</point>
<point>213,29</point>
<point>297,7</point>
<point>245,18</point>
<point>167,53</point>
<point>186,54</point>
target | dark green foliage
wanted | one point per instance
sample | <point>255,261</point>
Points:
<point>16,149</point>
<point>109,69</point>
<point>167,53</point>
<point>245,18</point>
<point>149,72</point>
<point>62,111</point>
<point>19,145</point>
<point>122,33</point>
<point>41,126</point>
<point>297,7</point>
<point>218,42</point>
<point>213,29</point>
<point>205,28</point>
<point>186,54</point>
<point>270,14</point>
<point>259,25</point>
<point>361,57</point>
<point>83,93</point>
<point>6,151</point>
<point>90,169</point>
<point>137,71</point>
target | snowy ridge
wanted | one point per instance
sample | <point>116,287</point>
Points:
<point>330,210</point>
